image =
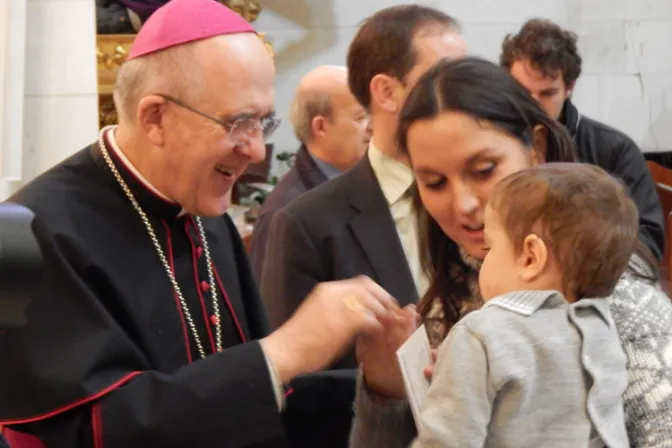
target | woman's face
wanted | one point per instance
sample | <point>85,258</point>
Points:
<point>457,161</point>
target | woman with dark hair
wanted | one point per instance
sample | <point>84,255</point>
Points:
<point>466,125</point>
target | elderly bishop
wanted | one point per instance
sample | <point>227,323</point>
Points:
<point>148,329</point>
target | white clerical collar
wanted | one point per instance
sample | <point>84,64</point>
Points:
<point>394,177</point>
<point>111,138</point>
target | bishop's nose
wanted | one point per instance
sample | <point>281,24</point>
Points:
<point>254,149</point>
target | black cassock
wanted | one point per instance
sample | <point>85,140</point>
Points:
<point>107,359</point>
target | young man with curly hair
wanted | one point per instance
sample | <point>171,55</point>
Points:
<point>544,58</point>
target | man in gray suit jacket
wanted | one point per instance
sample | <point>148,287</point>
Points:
<point>362,222</point>
<point>334,132</point>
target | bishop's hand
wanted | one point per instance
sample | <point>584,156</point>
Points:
<point>326,324</point>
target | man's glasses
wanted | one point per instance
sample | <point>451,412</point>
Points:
<point>248,126</point>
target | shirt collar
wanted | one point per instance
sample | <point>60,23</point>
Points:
<point>394,177</point>
<point>147,195</point>
<point>600,304</point>
<point>114,147</point>
<point>329,170</point>
<point>523,302</point>
<point>528,302</point>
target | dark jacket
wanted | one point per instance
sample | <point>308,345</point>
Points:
<point>615,152</point>
<point>303,176</point>
<point>106,356</point>
<point>339,230</point>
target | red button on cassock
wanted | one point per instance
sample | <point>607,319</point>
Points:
<point>205,286</point>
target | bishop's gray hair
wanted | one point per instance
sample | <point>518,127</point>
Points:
<point>305,107</point>
<point>174,71</point>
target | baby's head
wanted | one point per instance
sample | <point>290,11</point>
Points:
<point>564,226</point>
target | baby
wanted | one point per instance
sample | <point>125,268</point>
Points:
<point>540,364</point>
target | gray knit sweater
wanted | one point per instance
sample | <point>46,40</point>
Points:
<point>643,317</point>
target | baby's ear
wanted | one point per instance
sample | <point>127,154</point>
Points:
<point>533,258</point>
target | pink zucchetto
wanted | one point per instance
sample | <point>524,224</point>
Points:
<point>181,21</point>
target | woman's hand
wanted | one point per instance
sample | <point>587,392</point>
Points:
<point>377,356</point>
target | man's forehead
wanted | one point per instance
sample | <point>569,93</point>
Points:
<point>430,48</point>
<point>333,86</point>
<point>247,103</point>
<point>444,40</point>
<point>237,66</point>
<point>238,76</point>
<point>230,49</point>
<point>241,96</point>
<point>526,70</point>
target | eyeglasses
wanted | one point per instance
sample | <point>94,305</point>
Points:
<point>245,125</point>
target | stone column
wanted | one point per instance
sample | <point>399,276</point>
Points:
<point>12,91</point>
<point>61,90</point>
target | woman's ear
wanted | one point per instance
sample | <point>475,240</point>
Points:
<point>533,258</point>
<point>539,144</point>
<point>382,89</point>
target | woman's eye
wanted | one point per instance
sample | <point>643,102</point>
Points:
<point>484,172</point>
<point>436,184</point>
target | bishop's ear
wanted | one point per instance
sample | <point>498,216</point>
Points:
<point>533,258</point>
<point>150,118</point>
<point>383,90</point>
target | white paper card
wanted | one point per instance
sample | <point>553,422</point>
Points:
<point>414,356</point>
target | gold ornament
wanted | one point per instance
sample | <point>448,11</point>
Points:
<point>249,9</point>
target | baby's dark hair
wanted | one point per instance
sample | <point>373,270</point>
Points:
<point>585,216</point>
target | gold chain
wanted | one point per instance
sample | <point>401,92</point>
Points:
<point>162,257</point>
